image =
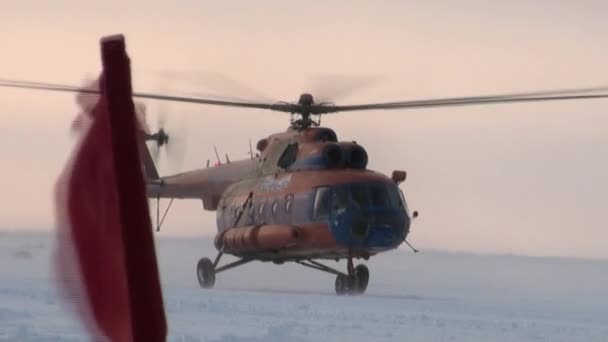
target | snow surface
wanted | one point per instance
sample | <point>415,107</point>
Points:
<point>429,296</point>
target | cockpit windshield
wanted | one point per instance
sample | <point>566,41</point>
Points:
<point>359,196</point>
<point>379,195</point>
<point>340,199</point>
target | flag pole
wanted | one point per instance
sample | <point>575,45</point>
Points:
<point>145,295</point>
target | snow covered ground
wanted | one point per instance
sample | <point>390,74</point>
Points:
<point>430,296</point>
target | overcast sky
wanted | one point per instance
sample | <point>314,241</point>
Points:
<point>516,178</point>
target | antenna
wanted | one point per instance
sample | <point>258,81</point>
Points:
<point>219,162</point>
<point>250,149</point>
<point>227,159</point>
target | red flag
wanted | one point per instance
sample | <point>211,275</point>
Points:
<point>105,251</point>
<point>90,248</point>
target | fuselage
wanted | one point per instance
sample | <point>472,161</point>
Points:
<point>336,212</point>
<point>305,195</point>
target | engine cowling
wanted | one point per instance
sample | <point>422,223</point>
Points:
<point>355,156</point>
<point>333,155</point>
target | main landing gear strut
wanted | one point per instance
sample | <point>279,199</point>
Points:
<point>207,269</point>
<point>354,282</point>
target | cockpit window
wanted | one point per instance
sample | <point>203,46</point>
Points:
<point>380,197</point>
<point>322,203</point>
<point>289,156</point>
<point>340,199</point>
<point>396,199</point>
<point>403,202</point>
<point>360,196</point>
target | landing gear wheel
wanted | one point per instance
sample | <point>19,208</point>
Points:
<point>361,279</point>
<point>205,272</point>
<point>341,284</point>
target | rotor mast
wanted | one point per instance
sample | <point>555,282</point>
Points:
<point>304,108</point>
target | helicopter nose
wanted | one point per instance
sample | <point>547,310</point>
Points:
<point>372,230</point>
<point>391,228</point>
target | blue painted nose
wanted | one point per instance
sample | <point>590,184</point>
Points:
<point>384,229</point>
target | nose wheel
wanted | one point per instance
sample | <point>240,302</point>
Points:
<point>354,282</point>
<point>361,280</point>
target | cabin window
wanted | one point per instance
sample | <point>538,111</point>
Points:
<point>274,207</point>
<point>226,213</point>
<point>261,209</point>
<point>253,210</point>
<point>250,213</point>
<point>289,156</point>
<point>288,203</point>
<point>322,203</point>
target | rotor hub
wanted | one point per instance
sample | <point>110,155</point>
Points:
<point>306,100</point>
<point>304,109</point>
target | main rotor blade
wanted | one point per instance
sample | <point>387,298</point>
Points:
<point>332,88</point>
<point>281,106</point>
<point>215,81</point>
<point>568,94</point>
<point>573,94</point>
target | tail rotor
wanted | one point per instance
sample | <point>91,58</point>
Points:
<point>168,139</point>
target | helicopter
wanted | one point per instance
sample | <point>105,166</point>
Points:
<point>306,197</point>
